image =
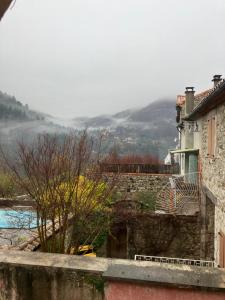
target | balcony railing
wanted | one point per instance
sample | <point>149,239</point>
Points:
<point>178,193</point>
<point>177,261</point>
<point>139,168</point>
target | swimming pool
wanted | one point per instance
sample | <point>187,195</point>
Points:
<point>25,219</point>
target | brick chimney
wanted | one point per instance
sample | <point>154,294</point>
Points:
<point>216,79</point>
<point>189,102</point>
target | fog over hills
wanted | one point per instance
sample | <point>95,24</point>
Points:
<point>151,129</point>
<point>18,122</point>
<point>147,130</point>
<point>154,113</point>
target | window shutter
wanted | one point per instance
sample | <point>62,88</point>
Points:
<point>209,131</point>
<point>224,251</point>
<point>221,250</point>
<point>213,136</point>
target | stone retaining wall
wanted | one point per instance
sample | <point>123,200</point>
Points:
<point>155,235</point>
<point>141,182</point>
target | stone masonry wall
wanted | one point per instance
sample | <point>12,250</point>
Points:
<point>155,235</point>
<point>141,182</point>
<point>207,220</point>
<point>213,169</point>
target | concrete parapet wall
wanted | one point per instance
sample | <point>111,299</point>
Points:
<point>44,276</point>
<point>129,291</point>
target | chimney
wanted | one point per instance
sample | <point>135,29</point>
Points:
<point>189,102</point>
<point>216,79</point>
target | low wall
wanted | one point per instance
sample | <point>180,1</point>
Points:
<point>140,182</point>
<point>128,291</point>
<point>4,202</point>
<point>154,235</point>
<point>42,276</point>
<point>35,276</point>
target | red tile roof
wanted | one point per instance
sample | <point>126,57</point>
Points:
<point>203,94</point>
<point>198,97</point>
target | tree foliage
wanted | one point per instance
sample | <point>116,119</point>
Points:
<point>70,192</point>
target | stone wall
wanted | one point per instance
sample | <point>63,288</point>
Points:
<point>213,169</point>
<point>141,182</point>
<point>207,219</point>
<point>155,235</point>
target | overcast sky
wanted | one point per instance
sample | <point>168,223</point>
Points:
<point>88,57</point>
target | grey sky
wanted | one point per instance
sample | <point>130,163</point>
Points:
<point>88,57</point>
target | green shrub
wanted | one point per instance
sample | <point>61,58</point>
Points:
<point>7,186</point>
<point>146,200</point>
<point>96,281</point>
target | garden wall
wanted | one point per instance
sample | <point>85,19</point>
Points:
<point>132,183</point>
<point>155,235</point>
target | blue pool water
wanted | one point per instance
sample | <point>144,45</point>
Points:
<point>17,219</point>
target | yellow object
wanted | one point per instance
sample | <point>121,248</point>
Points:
<point>85,250</point>
<point>92,254</point>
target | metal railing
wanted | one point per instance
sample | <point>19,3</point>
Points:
<point>139,168</point>
<point>176,261</point>
<point>180,190</point>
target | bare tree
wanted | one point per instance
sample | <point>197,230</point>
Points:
<point>72,195</point>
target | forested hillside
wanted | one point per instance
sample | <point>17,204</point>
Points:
<point>149,130</point>
<point>12,109</point>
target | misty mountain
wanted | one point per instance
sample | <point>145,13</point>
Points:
<point>149,130</point>
<point>152,115</point>
<point>18,122</point>
<point>12,109</point>
<point>154,112</point>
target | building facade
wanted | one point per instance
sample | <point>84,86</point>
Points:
<point>201,125</point>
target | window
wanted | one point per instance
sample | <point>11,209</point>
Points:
<point>211,137</point>
<point>221,250</point>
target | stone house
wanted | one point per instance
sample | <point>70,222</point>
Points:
<point>201,126</point>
